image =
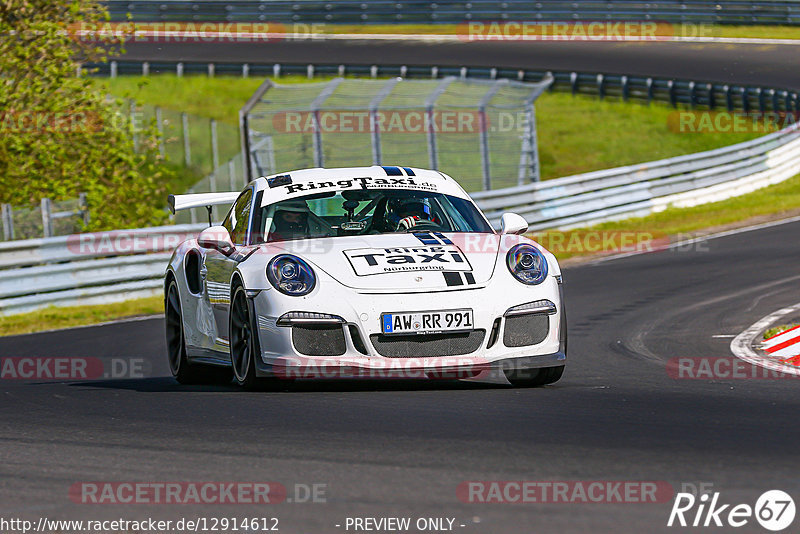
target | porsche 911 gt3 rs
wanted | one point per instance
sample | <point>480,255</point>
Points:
<point>361,272</point>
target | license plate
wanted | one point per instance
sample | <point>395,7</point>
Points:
<point>430,322</point>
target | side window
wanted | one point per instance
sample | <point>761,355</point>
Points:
<point>238,217</point>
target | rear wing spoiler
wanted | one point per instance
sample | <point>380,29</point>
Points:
<point>199,200</point>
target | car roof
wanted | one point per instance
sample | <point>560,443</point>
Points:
<point>298,183</point>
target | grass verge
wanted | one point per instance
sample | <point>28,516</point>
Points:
<point>775,330</point>
<point>54,318</point>
<point>774,202</point>
<point>576,133</point>
<point>675,224</point>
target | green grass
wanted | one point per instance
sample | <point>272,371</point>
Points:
<point>580,134</point>
<point>775,330</point>
<point>774,201</point>
<point>576,133</point>
<point>218,98</point>
<point>53,318</point>
<point>771,202</point>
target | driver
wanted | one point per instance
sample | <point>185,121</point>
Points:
<point>290,220</point>
<point>409,212</point>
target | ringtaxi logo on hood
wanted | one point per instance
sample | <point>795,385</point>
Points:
<point>366,261</point>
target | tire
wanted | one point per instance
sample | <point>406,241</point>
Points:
<point>184,371</point>
<point>531,378</point>
<point>242,342</point>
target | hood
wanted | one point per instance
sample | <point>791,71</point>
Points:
<point>412,262</point>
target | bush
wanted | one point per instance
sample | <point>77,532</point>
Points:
<point>59,135</point>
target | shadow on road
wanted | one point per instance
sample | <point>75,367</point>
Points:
<point>168,384</point>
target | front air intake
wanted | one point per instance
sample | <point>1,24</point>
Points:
<point>319,339</point>
<point>427,345</point>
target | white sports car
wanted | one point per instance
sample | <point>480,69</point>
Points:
<point>373,272</point>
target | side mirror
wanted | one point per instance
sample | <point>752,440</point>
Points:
<point>511,223</point>
<point>216,238</point>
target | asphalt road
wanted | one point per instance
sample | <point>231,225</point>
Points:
<point>402,449</point>
<point>768,65</point>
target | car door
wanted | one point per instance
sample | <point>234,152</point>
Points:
<point>219,267</point>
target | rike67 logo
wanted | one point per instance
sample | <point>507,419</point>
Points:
<point>774,510</point>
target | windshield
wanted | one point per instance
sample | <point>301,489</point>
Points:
<point>366,212</point>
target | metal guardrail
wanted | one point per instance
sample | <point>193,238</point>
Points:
<point>90,268</point>
<point>26,223</point>
<point>113,266</point>
<point>448,11</point>
<point>645,89</point>
<point>95,268</point>
<point>639,190</point>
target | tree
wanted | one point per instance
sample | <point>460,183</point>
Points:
<point>59,134</point>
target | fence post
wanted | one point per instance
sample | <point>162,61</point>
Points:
<point>162,149</point>
<point>179,69</point>
<point>83,206</point>
<point>712,99</point>
<point>692,96</point>
<point>624,83</point>
<point>373,118</point>
<point>601,88</point>
<point>484,132</point>
<point>47,220</point>
<point>8,222</point>
<point>211,70</point>
<point>310,71</point>
<point>430,102</point>
<point>132,113</point>
<point>650,90</point>
<point>187,149</point>
<point>146,68</point>
<point>671,86</point>
<point>319,157</point>
<point>113,72</point>
<point>573,82</point>
<point>245,70</point>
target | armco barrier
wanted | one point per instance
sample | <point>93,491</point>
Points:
<point>104,267</point>
<point>92,268</point>
<point>449,11</point>
<point>645,89</point>
<point>639,190</point>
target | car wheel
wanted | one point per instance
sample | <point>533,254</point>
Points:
<point>183,371</point>
<point>242,342</point>
<point>528,378</point>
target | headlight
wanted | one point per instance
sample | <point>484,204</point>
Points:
<point>527,264</point>
<point>290,275</point>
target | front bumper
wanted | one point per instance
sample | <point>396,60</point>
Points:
<point>361,315</point>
